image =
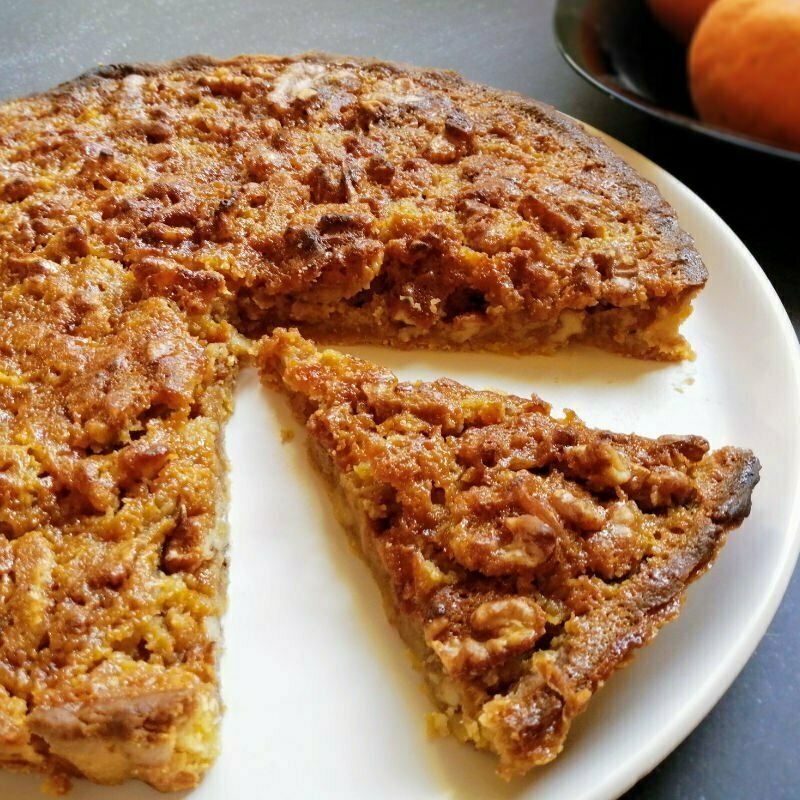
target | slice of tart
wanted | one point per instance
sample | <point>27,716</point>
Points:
<point>522,557</point>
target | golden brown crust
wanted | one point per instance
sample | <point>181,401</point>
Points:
<point>661,216</point>
<point>523,557</point>
<point>361,199</point>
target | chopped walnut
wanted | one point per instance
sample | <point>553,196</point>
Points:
<point>666,487</point>
<point>621,544</point>
<point>499,629</point>
<point>582,512</point>
<point>387,94</point>
<point>604,466</point>
<point>441,150</point>
<point>535,535</point>
<point>297,82</point>
<point>501,618</point>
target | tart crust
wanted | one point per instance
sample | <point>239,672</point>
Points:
<point>153,220</point>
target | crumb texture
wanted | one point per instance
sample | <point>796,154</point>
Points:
<point>524,558</point>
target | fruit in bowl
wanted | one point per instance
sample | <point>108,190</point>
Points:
<point>744,68</point>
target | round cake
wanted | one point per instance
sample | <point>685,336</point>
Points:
<point>154,220</point>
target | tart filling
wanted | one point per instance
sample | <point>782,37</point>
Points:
<point>522,557</point>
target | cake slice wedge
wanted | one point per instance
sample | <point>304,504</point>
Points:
<point>522,557</point>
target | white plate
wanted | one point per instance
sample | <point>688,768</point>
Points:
<point>321,700</point>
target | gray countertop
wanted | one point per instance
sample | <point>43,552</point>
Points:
<point>747,746</point>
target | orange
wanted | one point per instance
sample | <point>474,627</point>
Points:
<point>744,68</point>
<point>679,17</point>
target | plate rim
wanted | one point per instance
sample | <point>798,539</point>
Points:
<point>569,14</point>
<point>687,719</point>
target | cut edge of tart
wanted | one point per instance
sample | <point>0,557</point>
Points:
<point>522,558</point>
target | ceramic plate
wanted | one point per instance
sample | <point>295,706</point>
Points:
<point>618,47</point>
<point>321,699</point>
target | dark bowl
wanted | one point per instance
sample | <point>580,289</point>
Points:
<point>618,47</point>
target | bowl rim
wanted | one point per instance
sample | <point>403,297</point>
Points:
<point>570,21</point>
